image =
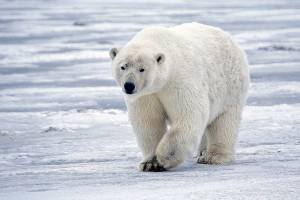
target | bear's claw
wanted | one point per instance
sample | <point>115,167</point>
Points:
<point>152,166</point>
<point>202,160</point>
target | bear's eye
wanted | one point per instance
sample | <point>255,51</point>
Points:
<point>122,68</point>
<point>142,70</point>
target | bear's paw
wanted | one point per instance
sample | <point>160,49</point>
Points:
<point>151,166</point>
<point>215,159</point>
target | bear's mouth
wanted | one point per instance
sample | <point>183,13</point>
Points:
<point>129,92</point>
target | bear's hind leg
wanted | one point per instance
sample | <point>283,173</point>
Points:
<point>222,138</point>
<point>203,145</point>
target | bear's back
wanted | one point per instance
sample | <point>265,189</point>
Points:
<point>153,34</point>
<point>183,36</point>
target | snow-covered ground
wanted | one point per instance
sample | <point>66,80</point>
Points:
<point>64,132</point>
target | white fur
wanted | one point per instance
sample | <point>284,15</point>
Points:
<point>198,86</point>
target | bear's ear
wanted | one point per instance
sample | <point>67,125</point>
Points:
<point>160,58</point>
<point>113,52</point>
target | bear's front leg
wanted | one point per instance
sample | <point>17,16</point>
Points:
<point>179,143</point>
<point>148,119</point>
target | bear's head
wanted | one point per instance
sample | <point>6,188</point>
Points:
<point>139,71</point>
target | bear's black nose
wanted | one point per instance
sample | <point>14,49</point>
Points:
<point>129,87</point>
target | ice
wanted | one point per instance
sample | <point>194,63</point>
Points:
<point>64,131</point>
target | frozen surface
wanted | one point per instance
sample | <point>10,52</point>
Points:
<point>64,132</point>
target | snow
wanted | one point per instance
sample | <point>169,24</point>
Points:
<point>64,131</point>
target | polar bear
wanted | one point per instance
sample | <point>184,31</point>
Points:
<point>185,88</point>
